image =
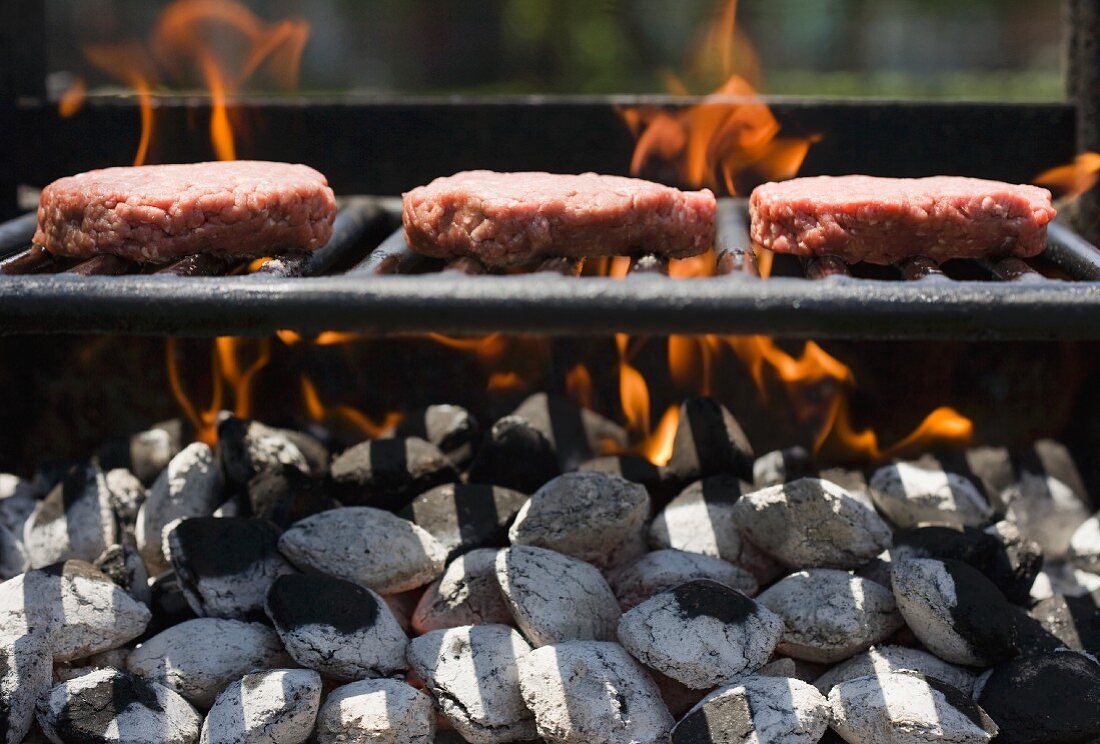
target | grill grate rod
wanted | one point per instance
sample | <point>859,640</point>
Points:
<point>103,265</point>
<point>732,244</point>
<point>1078,257</point>
<point>917,268</point>
<point>353,222</point>
<point>1012,269</point>
<point>393,256</point>
<point>16,234</point>
<point>823,267</point>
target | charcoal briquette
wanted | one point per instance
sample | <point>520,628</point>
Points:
<point>388,473</point>
<point>1074,621</point>
<point>276,706</point>
<point>465,516</point>
<point>700,519</point>
<point>912,493</point>
<point>468,593</point>
<point>782,466</point>
<point>709,441</point>
<point>576,433</point>
<point>285,495</point>
<point>246,448</point>
<point>74,521</point>
<point>148,452</point>
<point>25,674</point>
<point>452,429</point>
<point>661,570</point>
<point>378,711</point>
<point>879,660</point>
<point>516,455</point>
<point>756,708</point>
<point>124,566</point>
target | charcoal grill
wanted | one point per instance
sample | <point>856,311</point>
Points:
<point>364,281</point>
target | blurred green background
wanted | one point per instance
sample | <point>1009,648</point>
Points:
<point>943,49</point>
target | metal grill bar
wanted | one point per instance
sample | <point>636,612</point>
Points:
<point>393,256</point>
<point>16,234</point>
<point>202,264</point>
<point>1078,257</point>
<point>822,267</point>
<point>919,267</point>
<point>104,265</point>
<point>648,265</point>
<point>351,226</point>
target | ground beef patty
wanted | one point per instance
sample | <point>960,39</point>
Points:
<point>162,212</point>
<point>510,219</point>
<point>882,220</point>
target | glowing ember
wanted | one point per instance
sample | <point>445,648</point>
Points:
<point>1075,178</point>
<point>72,100</point>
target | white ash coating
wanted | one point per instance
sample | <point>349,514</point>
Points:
<point>663,569</point>
<point>700,519</point>
<point>555,598</point>
<point>80,610</point>
<point>1047,511</point>
<point>591,692</point>
<point>74,521</point>
<point>464,516</point>
<point>468,593</point>
<point>701,633</point>
<point>248,447</point>
<point>25,674</point>
<point>113,659</point>
<point>18,499</point>
<point>189,487</point>
<point>199,657</point>
<point>225,565</point>
<point>368,546</point>
<point>830,614</point>
<point>885,659</point>
<point>111,706</point>
<point>811,523</point>
<point>911,493</point>
<point>472,672</point>
<point>779,466</point>
<point>929,600</point>
<point>907,708</point>
<point>757,709</point>
<point>127,494</point>
<point>1084,546</point>
<point>278,706</point>
<point>595,434</point>
<point>376,711</point>
<point>585,515</point>
<point>13,559</point>
<point>338,628</point>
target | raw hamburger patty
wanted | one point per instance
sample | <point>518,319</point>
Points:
<point>510,219</point>
<point>162,212</point>
<point>882,220</point>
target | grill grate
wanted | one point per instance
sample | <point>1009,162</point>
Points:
<point>348,286</point>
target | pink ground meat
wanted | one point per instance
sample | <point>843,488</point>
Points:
<point>159,213</point>
<point>512,219</point>
<point>883,220</point>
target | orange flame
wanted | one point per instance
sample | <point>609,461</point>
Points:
<point>221,41</point>
<point>578,385</point>
<point>1075,178</point>
<point>731,132</point>
<point>657,447</point>
<point>320,413</point>
<point>72,100</point>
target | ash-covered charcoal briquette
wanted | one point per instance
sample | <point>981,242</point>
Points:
<point>126,568</point>
<point>591,692</point>
<point>1046,510</point>
<point>376,711</point>
<point>660,483</point>
<point>709,441</point>
<point>368,546</point>
<point>575,433</point>
<point>1084,545</point>
<point>74,521</point>
<point>246,448</point>
<point>781,466</point>
<point>389,473</point>
<point>811,523</point>
<point>1051,698</point>
<point>473,673</point>
<point>960,615</point>
<point>1016,562</point>
<point>111,706</point>
<point>830,614</point>
<point>189,486</point>
<point>468,593</point>
<point>907,707</point>
<point>885,659</point>
<point>198,658</point>
<point>586,515</point>
<point>912,493</point>
<point>660,570</point>
<point>25,674</point>
<point>700,519</point>
<point>13,559</point>
<point>701,633</point>
<point>464,516</point>
<point>336,627</point>
<point>148,452</point>
<point>126,495</point>
<point>278,706</point>
<point>18,500</point>
<point>225,566</point>
<point>1074,621</point>
<point>285,495</point>
<point>452,429</point>
<point>81,611</point>
<point>554,597</point>
<point>516,455</point>
<point>768,710</point>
